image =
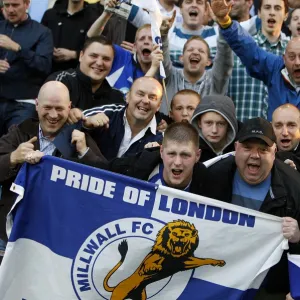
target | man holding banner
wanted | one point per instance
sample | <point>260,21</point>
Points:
<point>32,139</point>
<point>255,179</point>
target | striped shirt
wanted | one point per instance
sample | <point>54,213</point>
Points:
<point>46,145</point>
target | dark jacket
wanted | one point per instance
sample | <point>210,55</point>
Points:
<point>69,31</point>
<point>224,106</point>
<point>293,155</point>
<point>283,200</point>
<point>142,165</point>
<point>109,140</point>
<point>29,67</point>
<point>10,142</point>
<point>80,88</point>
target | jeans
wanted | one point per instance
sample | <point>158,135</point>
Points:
<point>13,112</point>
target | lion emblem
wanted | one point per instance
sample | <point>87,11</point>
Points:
<point>172,252</point>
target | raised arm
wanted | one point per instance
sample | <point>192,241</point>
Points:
<point>222,67</point>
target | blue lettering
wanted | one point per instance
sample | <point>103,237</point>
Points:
<point>87,261</point>
<point>109,235</point>
<point>163,203</point>
<point>86,270</point>
<point>246,219</point>
<point>91,247</point>
<point>179,206</point>
<point>230,217</point>
<point>101,238</point>
<point>84,285</point>
<point>136,226</point>
<point>144,228</point>
<point>119,231</point>
<point>213,213</point>
<point>158,41</point>
<point>196,209</point>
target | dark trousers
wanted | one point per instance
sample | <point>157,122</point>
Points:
<point>13,112</point>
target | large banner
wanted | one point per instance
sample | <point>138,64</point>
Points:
<point>82,233</point>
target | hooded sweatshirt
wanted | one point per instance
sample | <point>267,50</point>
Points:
<point>224,106</point>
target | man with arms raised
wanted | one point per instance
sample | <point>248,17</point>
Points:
<point>32,139</point>
<point>253,178</point>
<point>280,74</point>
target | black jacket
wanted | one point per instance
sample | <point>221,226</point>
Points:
<point>141,166</point>
<point>69,31</point>
<point>80,88</point>
<point>10,142</point>
<point>283,201</point>
<point>292,155</point>
<point>29,67</point>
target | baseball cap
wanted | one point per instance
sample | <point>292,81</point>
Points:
<point>258,128</point>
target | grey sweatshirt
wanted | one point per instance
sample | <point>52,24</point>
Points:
<point>225,107</point>
<point>213,82</point>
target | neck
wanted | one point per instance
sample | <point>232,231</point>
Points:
<point>135,125</point>
<point>192,78</point>
<point>244,18</point>
<point>166,5</point>
<point>75,7</point>
<point>272,37</point>
<point>192,28</point>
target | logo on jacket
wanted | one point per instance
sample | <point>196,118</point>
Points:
<point>99,270</point>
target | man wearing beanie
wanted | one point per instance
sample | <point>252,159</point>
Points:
<point>255,179</point>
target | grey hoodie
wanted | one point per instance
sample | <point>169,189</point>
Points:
<point>225,107</point>
<point>213,81</point>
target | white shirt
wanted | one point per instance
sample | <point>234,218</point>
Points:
<point>128,141</point>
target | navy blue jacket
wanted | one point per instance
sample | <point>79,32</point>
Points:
<point>109,140</point>
<point>30,66</point>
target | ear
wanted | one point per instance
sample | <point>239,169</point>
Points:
<point>161,150</point>
<point>171,114</point>
<point>127,97</point>
<point>80,56</point>
<point>199,122</point>
<point>259,14</point>
<point>198,155</point>
<point>36,104</point>
<point>70,105</point>
<point>285,18</point>
<point>181,58</point>
<point>235,145</point>
<point>209,62</point>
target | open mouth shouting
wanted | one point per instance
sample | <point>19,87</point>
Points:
<point>253,168</point>
<point>298,30</point>
<point>194,60</point>
<point>176,173</point>
<point>193,13</point>
<point>285,143</point>
<point>296,73</point>
<point>146,52</point>
<point>271,22</point>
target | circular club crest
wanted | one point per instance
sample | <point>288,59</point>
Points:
<point>118,251</point>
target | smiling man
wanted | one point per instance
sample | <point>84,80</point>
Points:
<point>175,164</point>
<point>32,139</point>
<point>255,179</point>
<point>125,130</point>
<point>87,84</point>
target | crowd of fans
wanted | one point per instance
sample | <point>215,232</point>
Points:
<point>84,84</point>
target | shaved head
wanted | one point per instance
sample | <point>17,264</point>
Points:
<point>53,106</point>
<point>286,125</point>
<point>292,59</point>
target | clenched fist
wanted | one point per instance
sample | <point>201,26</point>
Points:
<point>78,138</point>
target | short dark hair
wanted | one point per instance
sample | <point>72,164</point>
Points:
<point>98,39</point>
<point>181,132</point>
<point>185,92</point>
<point>198,38</point>
<point>286,5</point>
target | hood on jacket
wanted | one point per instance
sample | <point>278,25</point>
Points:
<point>222,105</point>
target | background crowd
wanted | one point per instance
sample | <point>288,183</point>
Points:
<point>81,80</point>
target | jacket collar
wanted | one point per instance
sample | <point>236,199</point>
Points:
<point>27,21</point>
<point>104,87</point>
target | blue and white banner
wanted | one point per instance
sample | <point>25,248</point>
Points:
<point>82,233</point>
<point>294,270</point>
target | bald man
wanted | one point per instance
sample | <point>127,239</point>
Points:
<point>280,74</point>
<point>124,130</point>
<point>32,139</point>
<point>286,125</point>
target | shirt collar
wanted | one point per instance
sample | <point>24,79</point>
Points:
<point>262,39</point>
<point>152,124</point>
<point>41,135</point>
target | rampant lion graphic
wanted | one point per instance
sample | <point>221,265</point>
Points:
<point>172,252</point>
